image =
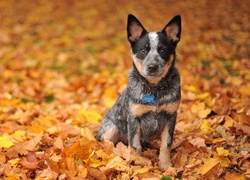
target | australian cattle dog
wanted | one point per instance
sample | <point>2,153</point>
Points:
<point>148,106</point>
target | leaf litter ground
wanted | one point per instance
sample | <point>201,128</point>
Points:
<point>63,64</point>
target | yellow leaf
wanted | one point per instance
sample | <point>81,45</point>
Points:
<point>36,127</point>
<point>209,163</point>
<point>200,110</point>
<point>222,152</point>
<point>11,177</point>
<point>19,135</point>
<point>92,116</point>
<point>109,102</point>
<point>218,140</point>
<point>14,161</point>
<point>191,88</point>
<point>95,162</point>
<point>42,123</point>
<point>109,92</point>
<point>203,96</point>
<point>103,156</point>
<point>92,160</point>
<point>5,142</point>
<point>224,161</point>
<point>205,126</point>
<point>118,164</point>
<point>140,170</point>
<point>52,130</point>
<point>88,134</point>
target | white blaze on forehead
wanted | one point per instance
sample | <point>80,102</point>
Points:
<point>153,40</point>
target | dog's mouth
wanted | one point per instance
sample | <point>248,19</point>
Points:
<point>153,70</point>
<point>152,75</point>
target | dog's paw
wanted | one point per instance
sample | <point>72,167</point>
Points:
<point>165,165</point>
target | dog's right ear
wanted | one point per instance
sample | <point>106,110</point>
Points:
<point>134,29</point>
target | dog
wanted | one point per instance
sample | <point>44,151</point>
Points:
<point>148,106</point>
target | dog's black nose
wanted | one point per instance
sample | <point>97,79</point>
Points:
<point>152,67</point>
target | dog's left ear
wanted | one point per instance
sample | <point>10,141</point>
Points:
<point>173,30</point>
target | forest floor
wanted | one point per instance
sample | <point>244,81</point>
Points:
<point>64,63</point>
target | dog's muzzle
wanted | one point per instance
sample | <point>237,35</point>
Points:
<point>153,70</point>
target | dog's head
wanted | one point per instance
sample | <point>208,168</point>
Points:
<point>153,53</point>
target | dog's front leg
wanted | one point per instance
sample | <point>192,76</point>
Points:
<point>166,142</point>
<point>134,135</point>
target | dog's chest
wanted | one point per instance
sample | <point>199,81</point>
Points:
<point>139,110</point>
<point>153,116</point>
<point>151,124</point>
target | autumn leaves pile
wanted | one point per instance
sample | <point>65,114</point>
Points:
<point>60,74</point>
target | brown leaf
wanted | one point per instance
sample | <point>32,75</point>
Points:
<point>198,142</point>
<point>170,172</point>
<point>30,161</point>
<point>234,176</point>
<point>222,105</point>
<point>96,174</point>
<point>180,158</point>
<point>123,151</point>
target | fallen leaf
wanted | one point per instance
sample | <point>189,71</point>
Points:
<point>234,176</point>
<point>218,140</point>
<point>170,172</point>
<point>19,135</point>
<point>123,151</point>
<point>9,176</point>
<point>118,164</point>
<point>222,105</point>
<point>180,158</point>
<point>205,126</point>
<point>141,161</point>
<point>30,161</point>
<point>92,116</point>
<point>5,141</point>
<point>200,110</point>
<point>48,173</point>
<point>88,134</point>
<point>96,174</point>
<point>14,161</point>
<point>136,170</point>
<point>221,130</point>
<point>224,161</point>
<point>198,142</point>
<point>244,90</point>
<point>209,163</point>
<point>222,152</point>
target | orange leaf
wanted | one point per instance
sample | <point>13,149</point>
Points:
<point>233,176</point>
<point>200,110</point>
<point>118,164</point>
<point>122,151</point>
<point>30,161</point>
<point>208,165</point>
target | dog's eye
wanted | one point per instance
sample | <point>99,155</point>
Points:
<point>143,50</point>
<point>162,50</point>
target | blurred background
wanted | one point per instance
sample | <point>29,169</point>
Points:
<point>66,61</point>
<point>72,51</point>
